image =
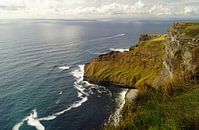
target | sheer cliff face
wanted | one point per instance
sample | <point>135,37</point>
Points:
<point>182,50</point>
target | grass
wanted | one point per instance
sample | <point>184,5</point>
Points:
<point>193,23</point>
<point>142,65</point>
<point>191,29</point>
<point>153,111</point>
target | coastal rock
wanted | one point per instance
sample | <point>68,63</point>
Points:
<point>182,50</point>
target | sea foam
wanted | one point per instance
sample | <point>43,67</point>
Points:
<point>97,53</point>
<point>33,119</point>
<point>119,50</point>
<point>83,91</point>
<point>64,67</point>
<point>115,117</point>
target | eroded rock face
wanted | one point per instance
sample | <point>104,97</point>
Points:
<point>182,50</point>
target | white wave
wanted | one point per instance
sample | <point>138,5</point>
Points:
<point>84,87</point>
<point>60,93</point>
<point>83,94</point>
<point>64,67</point>
<point>119,50</point>
<point>32,120</point>
<point>48,118</point>
<point>74,105</point>
<point>78,84</point>
<point>79,94</point>
<point>97,53</point>
<point>81,89</point>
<point>17,126</point>
<point>115,118</point>
<point>79,73</point>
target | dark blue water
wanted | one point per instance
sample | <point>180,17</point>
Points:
<point>31,80</point>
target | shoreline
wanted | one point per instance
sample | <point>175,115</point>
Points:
<point>116,116</point>
<point>106,83</point>
<point>125,96</point>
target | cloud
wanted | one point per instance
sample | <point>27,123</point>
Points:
<point>190,10</point>
<point>11,8</point>
<point>159,10</point>
<point>110,9</point>
<point>96,8</point>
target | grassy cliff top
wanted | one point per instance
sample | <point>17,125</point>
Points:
<point>190,29</point>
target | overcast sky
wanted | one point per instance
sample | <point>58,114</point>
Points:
<point>74,9</point>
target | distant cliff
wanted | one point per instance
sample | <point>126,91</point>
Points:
<point>156,59</point>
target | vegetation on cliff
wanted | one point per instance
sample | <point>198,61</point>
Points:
<point>153,111</point>
<point>141,65</point>
<point>165,69</point>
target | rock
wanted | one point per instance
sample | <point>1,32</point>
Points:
<point>182,50</point>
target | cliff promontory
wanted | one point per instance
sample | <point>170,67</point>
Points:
<point>165,70</point>
<point>142,64</point>
<point>157,58</point>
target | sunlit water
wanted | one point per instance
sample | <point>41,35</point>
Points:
<point>41,69</point>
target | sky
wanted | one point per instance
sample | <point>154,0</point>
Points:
<point>85,9</point>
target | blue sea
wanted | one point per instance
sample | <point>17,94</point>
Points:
<point>42,66</point>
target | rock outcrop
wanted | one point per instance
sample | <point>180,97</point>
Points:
<point>154,59</point>
<point>182,50</point>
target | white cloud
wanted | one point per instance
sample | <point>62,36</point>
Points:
<point>96,8</point>
<point>190,10</point>
<point>159,10</point>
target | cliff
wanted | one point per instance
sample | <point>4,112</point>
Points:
<point>165,69</point>
<point>182,50</point>
<point>141,65</point>
<point>156,59</point>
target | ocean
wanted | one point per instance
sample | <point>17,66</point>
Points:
<point>42,66</point>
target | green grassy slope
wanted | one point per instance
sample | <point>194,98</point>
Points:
<point>141,65</point>
<point>152,111</point>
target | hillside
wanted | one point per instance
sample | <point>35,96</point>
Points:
<point>141,65</point>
